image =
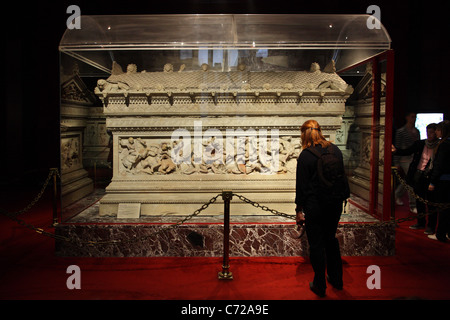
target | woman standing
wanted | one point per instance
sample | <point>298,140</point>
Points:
<point>320,216</point>
<point>440,180</point>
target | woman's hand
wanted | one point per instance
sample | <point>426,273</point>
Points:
<point>300,218</point>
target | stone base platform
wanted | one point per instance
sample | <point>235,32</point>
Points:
<point>202,236</point>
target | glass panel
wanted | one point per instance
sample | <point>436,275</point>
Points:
<point>309,31</point>
<point>346,37</point>
<point>362,139</point>
<point>245,31</point>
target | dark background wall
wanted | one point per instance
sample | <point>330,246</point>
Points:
<point>30,107</point>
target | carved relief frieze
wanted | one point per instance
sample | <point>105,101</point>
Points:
<point>70,153</point>
<point>74,90</point>
<point>366,151</point>
<point>239,155</point>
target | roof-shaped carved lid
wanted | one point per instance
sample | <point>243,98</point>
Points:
<point>134,81</point>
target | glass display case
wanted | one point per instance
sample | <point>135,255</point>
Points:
<point>159,113</point>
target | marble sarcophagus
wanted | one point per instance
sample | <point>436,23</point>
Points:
<point>181,137</point>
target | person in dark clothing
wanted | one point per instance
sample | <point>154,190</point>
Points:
<point>320,217</point>
<point>418,176</point>
<point>404,138</point>
<point>440,181</point>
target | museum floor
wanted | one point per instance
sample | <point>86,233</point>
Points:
<point>29,269</point>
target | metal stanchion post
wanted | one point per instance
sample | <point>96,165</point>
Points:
<point>225,274</point>
<point>54,197</point>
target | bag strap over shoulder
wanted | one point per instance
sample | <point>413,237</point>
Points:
<point>314,151</point>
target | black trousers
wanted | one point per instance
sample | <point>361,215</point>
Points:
<point>321,223</point>
<point>443,196</point>
<point>420,186</point>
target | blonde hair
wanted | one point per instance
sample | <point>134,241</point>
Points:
<point>311,134</point>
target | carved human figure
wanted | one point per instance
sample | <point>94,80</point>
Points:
<point>168,67</point>
<point>131,68</point>
<point>315,67</point>
<point>69,153</point>
<point>205,67</point>
<point>167,165</point>
<point>104,86</point>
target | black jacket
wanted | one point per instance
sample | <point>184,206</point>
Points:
<point>307,195</point>
<point>416,149</point>
<point>441,165</point>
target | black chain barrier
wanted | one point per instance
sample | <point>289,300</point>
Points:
<point>54,172</point>
<point>417,197</point>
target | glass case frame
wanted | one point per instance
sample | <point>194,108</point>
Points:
<point>347,35</point>
<point>387,211</point>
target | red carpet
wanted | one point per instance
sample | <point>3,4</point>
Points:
<point>29,270</point>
